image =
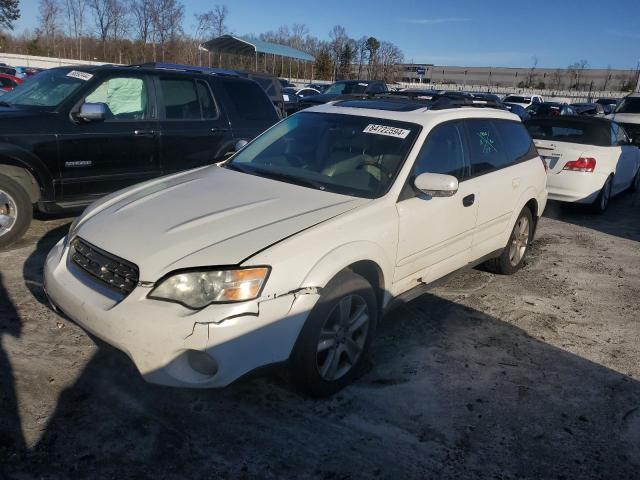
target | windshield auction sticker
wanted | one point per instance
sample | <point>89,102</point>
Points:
<point>388,131</point>
<point>80,75</point>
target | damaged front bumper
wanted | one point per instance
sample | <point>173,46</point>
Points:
<point>171,345</point>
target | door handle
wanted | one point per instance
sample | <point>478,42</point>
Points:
<point>515,183</point>
<point>468,200</point>
<point>144,133</point>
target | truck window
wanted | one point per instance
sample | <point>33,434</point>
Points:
<point>249,100</point>
<point>124,97</point>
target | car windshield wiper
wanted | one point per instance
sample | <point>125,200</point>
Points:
<point>305,182</point>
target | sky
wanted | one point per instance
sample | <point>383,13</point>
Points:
<point>495,33</point>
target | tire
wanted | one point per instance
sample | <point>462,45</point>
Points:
<point>513,255</point>
<point>321,367</point>
<point>16,211</point>
<point>635,185</point>
<point>601,203</point>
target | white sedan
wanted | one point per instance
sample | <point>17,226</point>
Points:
<point>589,159</point>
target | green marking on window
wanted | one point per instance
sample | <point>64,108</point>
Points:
<point>487,143</point>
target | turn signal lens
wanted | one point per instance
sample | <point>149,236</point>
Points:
<point>585,164</point>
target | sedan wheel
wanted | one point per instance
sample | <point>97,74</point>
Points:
<point>519,240</point>
<point>342,337</point>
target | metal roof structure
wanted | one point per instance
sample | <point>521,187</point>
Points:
<point>246,46</point>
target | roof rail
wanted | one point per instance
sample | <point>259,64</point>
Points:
<point>185,68</point>
<point>440,101</point>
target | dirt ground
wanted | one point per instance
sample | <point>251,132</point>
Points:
<point>533,376</point>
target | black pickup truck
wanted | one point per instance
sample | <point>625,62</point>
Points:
<point>73,134</point>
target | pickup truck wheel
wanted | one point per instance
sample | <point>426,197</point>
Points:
<point>512,257</point>
<point>15,211</point>
<point>335,340</point>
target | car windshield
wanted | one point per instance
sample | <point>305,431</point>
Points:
<point>629,105</point>
<point>47,89</point>
<point>571,131</point>
<point>346,154</point>
<point>344,88</point>
<point>517,99</point>
<point>544,109</point>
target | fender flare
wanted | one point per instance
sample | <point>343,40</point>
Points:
<point>16,159</point>
<point>347,254</point>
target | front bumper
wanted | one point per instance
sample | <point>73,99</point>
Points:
<point>163,338</point>
<point>577,187</point>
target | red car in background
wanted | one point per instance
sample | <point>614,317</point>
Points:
<point>9,82</point>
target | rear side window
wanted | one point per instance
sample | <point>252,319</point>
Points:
<point>443,152</point>
<point>486,150</point>
<point>206,100</point>
<point>571,131</point>
<point>517,141</point>
<point>180,99</point>
<point>249,101</point>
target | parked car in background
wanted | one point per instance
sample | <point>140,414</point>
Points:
<point>71,135</point>
<point>7,70</point>
<point>284,83</point>
<point>592,109</point>
<point>290,97</point>
<point>26,72</point>
<point>292,250</point>
<point>590,159</point>
<point>9,82</point>
<point>321,87</point>
<point>518,110</point>
<point>627,114</point>
<point>421,93</point>
<point>307,92</point>
<point>550,109</point>
<point>345,88</point>
<point>523,100</point>
<point>609,104</point>
<point>486,96</point>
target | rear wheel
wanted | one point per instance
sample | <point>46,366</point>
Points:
<point>15,211</point>
<point>332,347</point>
<point>512,257</point>
<point>602,202</point>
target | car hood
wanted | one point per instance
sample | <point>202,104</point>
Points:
<point>205,217</point>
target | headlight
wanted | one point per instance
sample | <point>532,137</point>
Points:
<point>197,289</point>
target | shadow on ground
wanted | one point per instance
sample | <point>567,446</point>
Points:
<point>622,218</point>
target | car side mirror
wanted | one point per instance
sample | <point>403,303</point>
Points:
<point>239,145</point>
<point>436,184</point>
<point>92,112</point>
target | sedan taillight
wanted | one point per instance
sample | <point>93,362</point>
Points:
<point>585,164</point>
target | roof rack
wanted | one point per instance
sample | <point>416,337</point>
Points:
<point>443,100</point>
<point>186,68</point>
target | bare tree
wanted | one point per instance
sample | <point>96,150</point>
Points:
<point>361,54</point>
<point>49,23</point>
<point>9,13</point>
<point>532,75</point>
<point>556,78</point>
<point>141,23</point>
<point>338,36</point>
<point>103,20</point>
<point>74,10</point>
<point>167,17</point>
<point>575,71</point>
<point>389,56</point>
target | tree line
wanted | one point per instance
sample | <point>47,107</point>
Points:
<point>138,31</point>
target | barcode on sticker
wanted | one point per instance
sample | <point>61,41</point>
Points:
<point>80,75</point>
<point>385,130</point>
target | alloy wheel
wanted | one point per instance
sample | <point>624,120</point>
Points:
<point>8,212</point>
<point>519,240</point>
<point>342,337</point>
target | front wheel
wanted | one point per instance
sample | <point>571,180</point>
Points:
<point>334,342</point>
<point>512,257</point>
<point>15,211</point>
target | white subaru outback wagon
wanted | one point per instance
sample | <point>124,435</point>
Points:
<point>293,248</point>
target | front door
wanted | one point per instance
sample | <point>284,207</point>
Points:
<point>100,157</point>
<point>435,233</point>
<point>194,132</point>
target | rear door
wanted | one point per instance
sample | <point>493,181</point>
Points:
<point>498,152</point>
<point>101,157</point>
<point>249,108</point>
<point>193,129</point>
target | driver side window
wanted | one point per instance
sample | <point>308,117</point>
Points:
<point>443,152</point>
<point>125,98</point>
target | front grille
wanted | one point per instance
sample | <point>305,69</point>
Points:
<point>633,130</point>
<point>107,269</point>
